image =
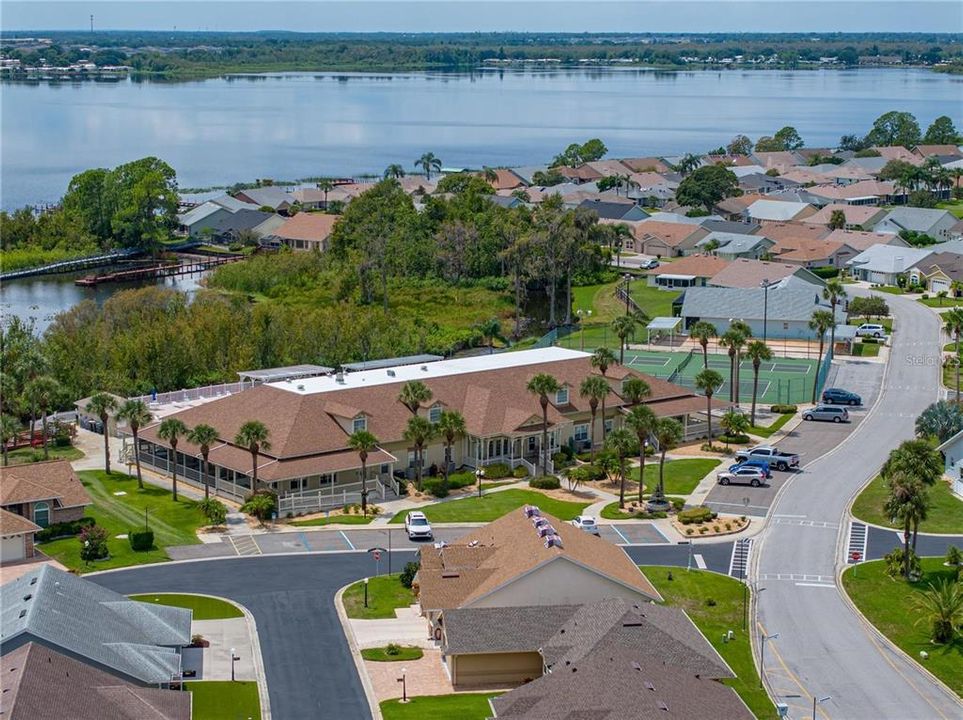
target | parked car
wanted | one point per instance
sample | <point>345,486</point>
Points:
<point>836,396</point>
<point>830,413</point>
<point>742,475</point>
<point>417,526</point>
<point>775,458</point>
<point>650,264</point>
<point>870,330</point>
<point>586,523</point>
<point>757,463</point>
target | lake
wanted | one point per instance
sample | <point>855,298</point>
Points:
<point>291,125</point>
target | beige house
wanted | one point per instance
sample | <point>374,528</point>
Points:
<point>45,493</point>
<point>306,231</point>
<point>810,253</point>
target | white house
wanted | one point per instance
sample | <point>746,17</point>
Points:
<point>952,451</point>
<point>883,264</point>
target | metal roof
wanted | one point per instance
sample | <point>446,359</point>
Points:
<point>791,302</point>
<point>285,373</point>
<point>664,323</point>
<point>391,362</point>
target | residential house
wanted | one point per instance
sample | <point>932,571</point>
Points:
<point>938,224</point>
<point>776,211</point>
<point>745,273</point>
<point>730,161</point>
<point>885,264</point>
<point>580,174</point>
<point>734,208</point>
<point>941,151</point>
<point>952,452</point>
<point>39,683</point>
<point>783,312</point>
<point>508,202</point>
<point>860,241</point>
<point>762,183</point>
<point>810,253</point>
<point>197,219</point>
<point>795,230</point>
<point>665,239</point>
<point>271,196</point>
<point>232,227</point>
<point>507,179</point>
<point>138,642</point>
<point>45,493</point>
<point>16,537</point>
<point>939,272</point>
<point>615,209</point>
<point>527,172</point>
<point>862,192</point>
<point>780,160</point>
<point>868,165</point>
<point>730,246</point>
<point>306,231</point>
<point>689,271</point>
<point>858,217</point>
<point>609,168</point>
<point>647,164</point>
<point>315,199</point>
<point>897,152</point>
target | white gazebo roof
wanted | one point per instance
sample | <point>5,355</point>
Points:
<point>664,323</point>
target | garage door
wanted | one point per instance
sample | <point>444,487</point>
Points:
<point>11,548</point>
<point>938,285</point>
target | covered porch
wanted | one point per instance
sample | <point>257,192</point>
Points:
<point>523,448</point>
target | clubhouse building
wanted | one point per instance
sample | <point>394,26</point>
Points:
<point>309,462</point>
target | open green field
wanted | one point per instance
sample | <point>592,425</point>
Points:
<point>653,301</point>
<point>224,700</point>
<point>776,426</point>
<point>888,604</point>
<point>205,608</point>
<point>935,302</point>
<point>945,514</point>
<point>680,476</point>
<point>29,455</point>
<point>691,591</point>
<point>493,505</point>
<point>385,594</point>
<point>463,706</point>
<point>173,523</point>
<point>955,207</point>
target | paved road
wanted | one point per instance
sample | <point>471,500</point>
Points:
<point>881,541</point>
<point>823,647</point>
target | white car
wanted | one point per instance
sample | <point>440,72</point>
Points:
<point>743,475</point>
<point>870,330</point>
<point>586,523</point>
<point>417,526</point>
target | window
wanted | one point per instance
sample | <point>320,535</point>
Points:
<point>581,433</point>
<point>359,423</point>
<point>434,414</point>
<point>41,514</point>
<point>561,397</point>
<point>608,425</point>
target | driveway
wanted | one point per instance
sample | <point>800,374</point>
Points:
<point>824,648</point>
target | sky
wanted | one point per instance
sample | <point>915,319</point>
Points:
<point>635,16</point>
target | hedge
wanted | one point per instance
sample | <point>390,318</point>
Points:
<point>461,479</point>
<point>497,471</point>
<point>141,540</point>
<point>438,487</point>
<point>781,409</point>
<point>587,473</point>
<point>825,271</point>
<point>64,529</point>
<point>520,472</point>
<point>696,515</point>
<point>548,482</point>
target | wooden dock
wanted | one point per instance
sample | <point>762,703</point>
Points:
<point>156,271</point>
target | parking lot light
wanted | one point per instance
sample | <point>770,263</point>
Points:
<point>366,592</point>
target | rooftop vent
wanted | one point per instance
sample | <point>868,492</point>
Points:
<point>424,368</point>
<point>663,706</point>
<point>391,373</point>
<point>33,580</point>
<point>339,377</point>
<point>449,574</point>
<point>23,613</point>
<point>538,522</point>
<point>531,511</point>
<point>300,387</point>
<point>546,530</point>
<point>553,541</point>
<point>27,597</point>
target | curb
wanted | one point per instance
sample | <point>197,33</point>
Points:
<point>355,651</point>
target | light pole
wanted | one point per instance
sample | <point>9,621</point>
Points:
<point>479,476</point>
<point>404,684</point>
<point>628,279</point>
<point>762,659</point>
<point>366,592</point>
<point>745,601</point>
<point>581,327</point>
<point>234,659</point>
<point>819,701</point>
<point>765,307</point>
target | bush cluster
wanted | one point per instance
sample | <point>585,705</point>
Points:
<point>586,473</point>
<point>461,479</point>
<point>436,487</point>
<point>140,540</point>
<point>696,515</point>
<point>64,529</point>
<point>497,471</point>
<point>408,574</point>
<point>520,472</point>
<point>782,409</point>
<point>548,482</point>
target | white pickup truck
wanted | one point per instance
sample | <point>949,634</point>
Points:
<point>772,455</point>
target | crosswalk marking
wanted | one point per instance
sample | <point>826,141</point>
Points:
<point>699,561</point>
<point>739,562</point>
<point>798,577</point>
<point>857,541</point>
<point>245,544</point>
<point>805,523</point>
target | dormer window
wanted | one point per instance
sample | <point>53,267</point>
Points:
<point>359,423</point>
<point>434,413</point>
<point>561,397</point>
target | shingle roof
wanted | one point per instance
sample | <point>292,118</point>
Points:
<point>888,258</point>
<point>785,304</point>
<point>53,480</point>
<point>699,265</point>
<point>862,188</point>
<point>734,243</point>
<point>859,240</point>
<point>918,219</point>
<point>502,629</point>
<point>271,196</point>
<point>749,273</point>
<point>134,639</point>
<point>949,263</point>
<point>238,221</point>
<point>855,214</point>
<point>670,233</point>
<point>776,210</point>
<point>39,683</point>
<point>805,249</point>
<point>778,231</point>
<point>315,227</point>
<point>508,548</point>
<point>608,209</point>
<point>13,524</point>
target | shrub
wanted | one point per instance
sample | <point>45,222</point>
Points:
<point>561,460</point>
<point>197,640</point>
<point>894,562</point>
<point>214,510</point>
<point>461,479</point>
<point>408,574</point>
<point>953,555</point>
<point>520,472</point>
<point>141,540</point>
<point>695,515</point>
<point>710,602</point>
<point>548,482</point>
<point>261,505</point>
<point>93,543</point>
<point>825,271</point>
<point>715,528</point>
<point>392,649</point>
<point>586,473</point>
<point>703,530</point>
<point>783,409</point>
<point>438,488</point>
<point>678,504</point>
<point>728,526</point>
<point>64,529</point>
<point>497,471</point>
<point>689,531</point>
<point>926,296</point>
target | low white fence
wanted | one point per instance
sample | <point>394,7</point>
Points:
<point>202,393</point>
<point>334,496</point>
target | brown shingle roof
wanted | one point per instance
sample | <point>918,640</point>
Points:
<point>944,150</point>
<point>795,230</point>
<point>13,524</point>
<point>39,683</point>
<point>699,265</point>
<point>805,249</point>
<point>859,240</point>
<point>855,214</point>
<point>54,480</point>
<point>862,188</point>
<point>508,548</point>
<point>746,273</point>
<point>315,227</point>
<point>670,233</point>
<point>646,164</point>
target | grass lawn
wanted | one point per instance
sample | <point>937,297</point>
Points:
<point>653,301</point>
<point>935,302</point>
<point>886,322</point>
<point>865,349</point>
<point>890,289</point>
<point>955,207</point>
<point>205,608</point>
<point>945,514</point>
<point>494,505</point>
<point>950,347</point>
<point>887,603</point>
<point>385,593</point>
<point>681,476</point>
<point>772,429</point>
<point>379,654</point>
<point>29,455</point>
<point>172,523</point>
<point>600,299</point>
<point>690,591</point>
<point>335,520</point>
<point>225,700</point>
<point>464,706</point>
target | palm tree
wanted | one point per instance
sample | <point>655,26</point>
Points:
<point>942,606</point>
<point>203,436</point>
<point>363,442</point>
<point>635,390</point>
<point>668,434</point>
<point>621,443</point>
<point>758,352</point>
<point>44,392</point>
<point>428,162</point>
<point>451,425</point>
<point>905,503</point>
<point>490,330</point>
<point>917,459</point>
<point>325,186</point>
<point>171,429</point>
<point>941,420</point>
<point>642,421</point>
<point>834,291</point>
<point>732,339</point>
<point>419,432</point>
<point>254,436</point>
<point>544,385</point>
<point>623,326</point>
<point>734,423</point>
<point>102,405</point>
<point>746,331</point>
<point>414,394</point>
<point>595,388</point>
<point>707,381</point>
<point>703,331</point>
<point>9,427</point>
<point>602,358</point>
<point>490,174</point>
<point>953,326</point>
<point>394,171</point>
<point>137,415</point>
<point>688,163</point>
<point>821,321</point>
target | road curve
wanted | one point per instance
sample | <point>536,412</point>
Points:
<point>824,648</point>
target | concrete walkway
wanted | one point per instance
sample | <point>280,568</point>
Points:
<point>224,635</point>
<point>406,628</point>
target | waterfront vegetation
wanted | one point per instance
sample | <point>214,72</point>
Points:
<point>493,505</point>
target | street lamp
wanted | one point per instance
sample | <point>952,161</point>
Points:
<point>765,307</point>
<point>628,279</point>
<point>479,476</point>
<point>366,592</point>
<point>234,658</point>
<point>404,684</point>
<point>762,659</point>
<point>819,701</point>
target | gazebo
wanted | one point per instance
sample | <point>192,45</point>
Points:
<point>661,325</point>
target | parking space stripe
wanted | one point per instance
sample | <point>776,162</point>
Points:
<point>624,539</point>
<point>699,561</point>
<point>350,544</point>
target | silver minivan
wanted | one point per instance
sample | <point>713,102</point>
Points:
<point>832,413</point>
